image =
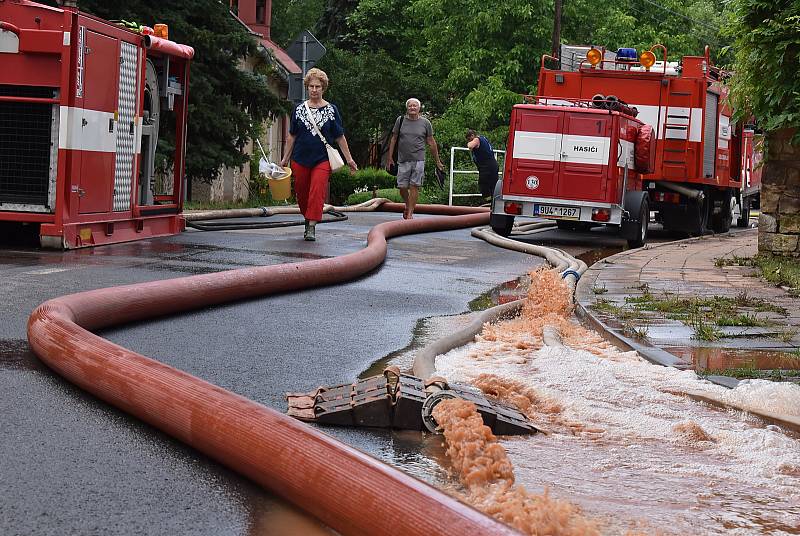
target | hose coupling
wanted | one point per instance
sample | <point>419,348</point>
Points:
<point>427,409</point>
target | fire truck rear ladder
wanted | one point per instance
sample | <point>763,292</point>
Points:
<point>676,153</point>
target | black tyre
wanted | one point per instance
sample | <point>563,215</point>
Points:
<point>501,224</point>
<point>723,212</point>
<point>644,220</point>
<point>691,218</point>
<point>701,212</point>
<point>744,218</point>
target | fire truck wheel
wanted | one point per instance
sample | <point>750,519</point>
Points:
<point>699,224</point>
<point>744,219</point>
<point>643,222</point>
<point>501,224</point>
<point>723,214</point>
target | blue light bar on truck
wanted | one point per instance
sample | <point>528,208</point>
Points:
<point>627,54</point>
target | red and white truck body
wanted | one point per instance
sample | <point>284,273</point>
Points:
<point>752,155</point>
<point>564,152</point>
<point>580,153</point>
<point>81,100</point>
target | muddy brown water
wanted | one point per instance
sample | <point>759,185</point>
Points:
<point>594,255</point>
<point>640,471</point>
<point>630,449</point>
<point>504,293</point>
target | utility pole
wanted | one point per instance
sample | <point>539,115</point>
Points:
<point>304,62</point>
<point>556,51</point>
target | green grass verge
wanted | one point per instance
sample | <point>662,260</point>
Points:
<point>780,271</point>
<point>705,315</point>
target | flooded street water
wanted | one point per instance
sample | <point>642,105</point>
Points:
<point>627,446</point>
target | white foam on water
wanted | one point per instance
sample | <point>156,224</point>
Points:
<point>764,395</point>
<point>635,467</point>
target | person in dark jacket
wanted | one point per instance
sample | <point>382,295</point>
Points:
<point>483,156</point>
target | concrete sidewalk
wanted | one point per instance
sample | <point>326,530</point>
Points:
<point>690,269</point>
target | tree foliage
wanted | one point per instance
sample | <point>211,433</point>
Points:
<point>294,16</point>
<point>226,103</point>
<point>685,28</point>
<point>367,103</point>
<point>486,109</point>
<point>767,45</point>
<point>467,41</point>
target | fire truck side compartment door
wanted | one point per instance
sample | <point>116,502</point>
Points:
<point>98,145</point>
<point>537,146</point>
<point>584,156</point>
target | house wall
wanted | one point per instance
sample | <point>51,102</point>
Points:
<point>233,183</point>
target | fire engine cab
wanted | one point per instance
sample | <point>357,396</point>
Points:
<point>82,105</point>
<point>613,136</point>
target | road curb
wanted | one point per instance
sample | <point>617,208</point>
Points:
<point>652,354</point>
<point>787,421</point>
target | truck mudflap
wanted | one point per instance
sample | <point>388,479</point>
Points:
<point>399,401</point>
<point>500,222</point>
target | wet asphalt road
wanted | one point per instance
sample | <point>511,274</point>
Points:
<point>73,465</point>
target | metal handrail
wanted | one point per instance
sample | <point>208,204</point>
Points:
<point>468,171</point>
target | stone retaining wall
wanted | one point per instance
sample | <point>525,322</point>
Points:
<point>779,222</point>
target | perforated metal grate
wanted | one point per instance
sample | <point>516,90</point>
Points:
<point>126,130</point>
<point>25,148</point>
<point>710,135</point>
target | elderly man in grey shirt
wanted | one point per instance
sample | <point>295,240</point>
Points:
<point>410,134</point>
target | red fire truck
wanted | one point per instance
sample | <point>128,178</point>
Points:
<point>82,104</point>
<point>617,136</point>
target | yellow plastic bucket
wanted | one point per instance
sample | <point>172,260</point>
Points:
<point>281,189</point>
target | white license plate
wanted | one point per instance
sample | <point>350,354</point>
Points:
<point>552,211</point>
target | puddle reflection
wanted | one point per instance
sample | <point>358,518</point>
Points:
<point>594,255</point>
<point>720,359</point>
<point>279,518</point>
<point>504,293</point>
